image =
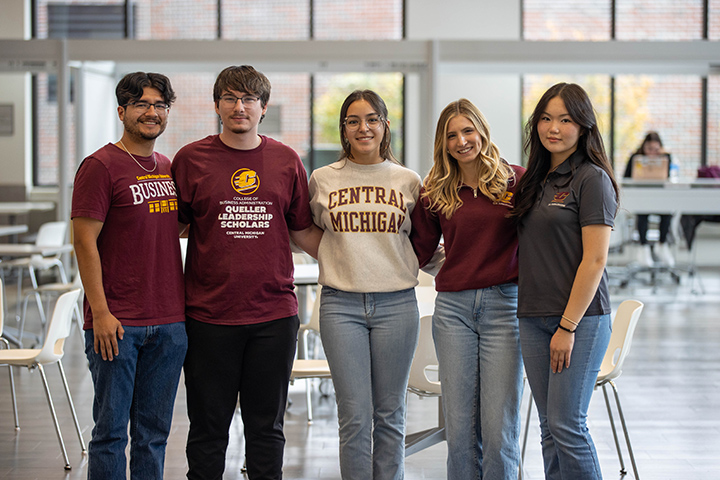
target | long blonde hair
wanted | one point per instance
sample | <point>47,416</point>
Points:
<point>443,182</point>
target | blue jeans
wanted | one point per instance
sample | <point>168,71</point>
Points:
<point>563,399</point>
<point>369,341</point>
<point>478,348</point>
<point>138,386</point>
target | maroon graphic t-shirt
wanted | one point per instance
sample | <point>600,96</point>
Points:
<point>138,244</point>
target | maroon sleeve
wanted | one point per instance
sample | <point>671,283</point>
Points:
<point>92,190</point>
<point>299,216</point>
<point>426,230</point>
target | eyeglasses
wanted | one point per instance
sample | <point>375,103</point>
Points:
<point>373,122</point>
<point>160,107</point>
<point>231,100</point>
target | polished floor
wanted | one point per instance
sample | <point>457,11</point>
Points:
<point>670,392</point>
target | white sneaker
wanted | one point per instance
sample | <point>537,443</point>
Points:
<point>665,255</point>
<point>643,256</point>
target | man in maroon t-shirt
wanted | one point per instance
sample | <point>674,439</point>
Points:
<point>125,221</point>
<point>244,196</point>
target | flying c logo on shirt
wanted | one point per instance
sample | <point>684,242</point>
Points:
<point>506,201</point>
<point>245,181</point>
<point>559,199</point>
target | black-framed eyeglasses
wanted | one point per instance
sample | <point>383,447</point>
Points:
<point>247,100</point>
<point>373,122</point>
<point>160,107</point>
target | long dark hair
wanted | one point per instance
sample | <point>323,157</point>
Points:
<point>590,143</point>
<point>377,103</point>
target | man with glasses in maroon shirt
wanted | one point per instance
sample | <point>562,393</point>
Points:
<point>125,221</point>
<point>244,196</point>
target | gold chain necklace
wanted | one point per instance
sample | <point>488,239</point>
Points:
<point>139,164</point>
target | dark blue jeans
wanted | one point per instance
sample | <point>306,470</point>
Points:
<point>254,361</point>
<point>138,386</point>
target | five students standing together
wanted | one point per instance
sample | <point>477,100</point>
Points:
<point>371,223</point>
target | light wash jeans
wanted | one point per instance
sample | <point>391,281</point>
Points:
<point>369,341</point>
<point>563,398</point>
<point>478,348</point>
<point>137,387</point>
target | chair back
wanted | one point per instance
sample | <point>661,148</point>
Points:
<point>51,234</point>
<point>425,357</point>
<point>59,328</point>
<point>623,328</point>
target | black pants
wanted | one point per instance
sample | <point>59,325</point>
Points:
<point>222,361</point>
<point>642,227</point>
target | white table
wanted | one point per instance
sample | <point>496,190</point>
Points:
<point>26,249</point>
<point>13,209</point>
<point>7,230</point>
<point>698,197</point>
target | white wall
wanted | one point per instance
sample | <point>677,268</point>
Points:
<point>16,149</point>
<point>497,96</point>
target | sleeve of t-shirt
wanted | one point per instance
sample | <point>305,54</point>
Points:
<point>92,190</point>
<point>182,187</point>
<point>298,216</point>
<point>426,231</point>
<point>598,203</point>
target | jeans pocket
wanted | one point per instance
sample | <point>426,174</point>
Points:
<point>508,290</point>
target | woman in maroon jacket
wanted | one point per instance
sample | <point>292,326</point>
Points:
<point>466,198</point>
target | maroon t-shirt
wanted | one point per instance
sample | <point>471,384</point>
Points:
<point>138,244</point>
<point>240,205</point>
<point>481,243</point>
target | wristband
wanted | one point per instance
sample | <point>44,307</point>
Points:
<point>566,329</point>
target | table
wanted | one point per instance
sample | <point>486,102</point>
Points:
<point>27,249</point>
<point>697,197</point>
<point>13,209</point>
<point>7,230</point>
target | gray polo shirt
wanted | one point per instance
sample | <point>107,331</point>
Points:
<point>550,248</point>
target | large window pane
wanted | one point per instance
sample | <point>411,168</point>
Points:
<point>596,86</point>
<point>569,20</point>
<point>192,116</point>
<point>353,20</point>
<point>330,93</point>
<point>659,19</point>
<point>179,19</point>
<point>265,19</point>
<point>288,117</point>
<point>714,19</point>
<point>667,104</point>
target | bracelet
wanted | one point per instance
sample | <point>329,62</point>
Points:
<point>566,318</point>
<point>566,329</point>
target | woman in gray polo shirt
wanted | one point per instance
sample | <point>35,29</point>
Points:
<point>566,205</point>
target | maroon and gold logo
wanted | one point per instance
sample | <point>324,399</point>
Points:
<point>245,181</point>
<point>560,197</point>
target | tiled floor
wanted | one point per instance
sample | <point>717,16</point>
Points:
<point>670,392</point>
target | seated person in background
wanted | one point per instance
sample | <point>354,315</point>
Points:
<point>652,146</point>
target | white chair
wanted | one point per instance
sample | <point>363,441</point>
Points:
<point>52,352</point>
<point>7,347</point>
<point>626,318</point>
<point>420,383</point>
<point>49,291</point>
<point>51,234</point>
<point>305,367</point>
